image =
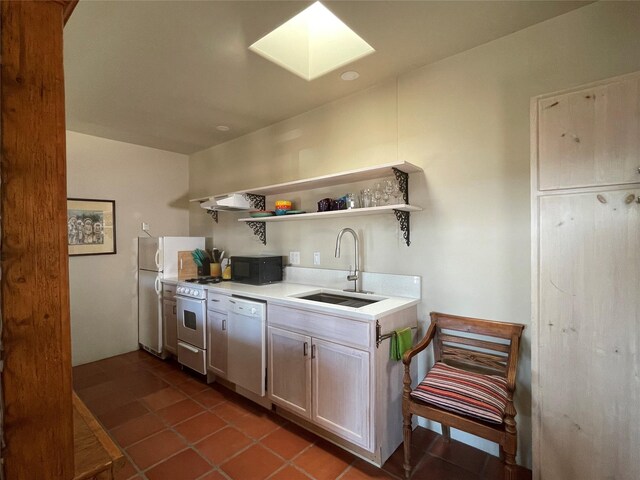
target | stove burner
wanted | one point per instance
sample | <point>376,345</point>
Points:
<point>204,280</point>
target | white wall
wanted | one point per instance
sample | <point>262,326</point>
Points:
<point>465,121</point>
<point>147,185</point>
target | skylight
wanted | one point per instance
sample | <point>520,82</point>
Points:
<point>312,43</point>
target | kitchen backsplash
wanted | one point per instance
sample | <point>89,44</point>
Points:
<point>378,283</point>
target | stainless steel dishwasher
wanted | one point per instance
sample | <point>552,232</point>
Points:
<point>247,344</point>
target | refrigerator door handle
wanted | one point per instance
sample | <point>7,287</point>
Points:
<point>157,285</point>
<point>157,258</point>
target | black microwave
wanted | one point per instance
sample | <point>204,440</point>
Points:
<point>256,269</point>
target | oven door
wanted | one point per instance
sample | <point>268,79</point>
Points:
<point>192,321</point>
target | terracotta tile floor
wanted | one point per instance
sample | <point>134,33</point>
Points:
<point>172,426</point>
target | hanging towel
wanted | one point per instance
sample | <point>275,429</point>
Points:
<point>401,341</point>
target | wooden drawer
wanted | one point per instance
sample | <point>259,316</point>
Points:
<point>168,291</point>
<point>329,327</point>
<point>217,301</point>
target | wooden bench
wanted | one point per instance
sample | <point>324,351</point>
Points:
<point>96,456</point>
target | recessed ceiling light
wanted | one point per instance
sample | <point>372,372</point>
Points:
<point>223,128</point>
<point>350,75</point>
<point>312,43</point>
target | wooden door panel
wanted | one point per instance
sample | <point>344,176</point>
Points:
<point>217,342</point>
<point>590,137</point>
<point>290,370</point>
<point>169,326</point>
<point>341,390</point>
<point>589,335</point>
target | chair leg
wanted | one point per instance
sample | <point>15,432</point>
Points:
<point>510,447</point>
<point>446,432</point>
<point>406,431</point>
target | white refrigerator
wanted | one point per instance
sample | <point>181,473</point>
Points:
<point>157,259</point>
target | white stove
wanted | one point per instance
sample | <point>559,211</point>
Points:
<point>191,290</point>
<point>191,302</point>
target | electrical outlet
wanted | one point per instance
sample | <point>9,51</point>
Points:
<point>316,258</point>
<point>294,258</point>
<point>145,227</point>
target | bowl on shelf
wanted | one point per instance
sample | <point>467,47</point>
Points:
<point>283,204</point>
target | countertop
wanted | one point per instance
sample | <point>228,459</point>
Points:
<point>285,294</point>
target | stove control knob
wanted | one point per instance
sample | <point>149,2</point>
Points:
<point>192,291</point>
<point>179,289</point>
<point>253,310</point>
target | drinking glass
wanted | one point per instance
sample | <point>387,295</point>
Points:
<point>387,187</point>
<point>367,198</point>
<point>377,194</point>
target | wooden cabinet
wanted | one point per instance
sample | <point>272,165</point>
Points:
<point>169,326</point>
<point>341,393</point>
<point>590,137</point>
<point>322,381</point>
<point>217,340</point>
<point>586,279</point>
<point>290,370</point>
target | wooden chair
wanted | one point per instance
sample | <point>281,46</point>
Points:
<point>492,362</point>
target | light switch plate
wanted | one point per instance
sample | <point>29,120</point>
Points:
<point>294,258</point>
<point>316,258</point>
<point>145,227</point>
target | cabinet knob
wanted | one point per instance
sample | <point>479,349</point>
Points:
<point>638,169</point>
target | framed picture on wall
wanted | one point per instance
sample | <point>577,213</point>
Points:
<point>91,226</point>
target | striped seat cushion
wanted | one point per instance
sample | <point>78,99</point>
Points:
<point>472,394</point>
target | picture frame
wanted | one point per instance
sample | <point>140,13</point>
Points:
<point>91,226</point>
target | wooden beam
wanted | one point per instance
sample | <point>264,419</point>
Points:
<point>36,381</point>
<point>69,6</point>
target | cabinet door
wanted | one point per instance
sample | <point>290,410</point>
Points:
<point>589,336</point>
<point>217,342</point>
<point>170,326</point>
<point>341,391</point>
<point>590,137</point>
<point>290,370</point>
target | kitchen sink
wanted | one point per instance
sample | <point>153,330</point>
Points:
<point>342,300</point>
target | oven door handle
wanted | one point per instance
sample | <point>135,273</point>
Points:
<point>188,347</point>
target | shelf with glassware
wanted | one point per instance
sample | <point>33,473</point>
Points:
<point>402,210</point>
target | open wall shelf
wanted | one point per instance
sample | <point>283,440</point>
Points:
<point>257,195</point>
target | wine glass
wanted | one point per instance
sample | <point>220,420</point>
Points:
<point>377,194</point>
<point>387,186</point>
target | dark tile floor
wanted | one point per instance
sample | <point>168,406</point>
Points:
<point>173,426</point>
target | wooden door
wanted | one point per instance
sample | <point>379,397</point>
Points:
<point>590,137</point>
<point>217,342</point>
<point>341,396</point>
<point>169,326</point>
<point>290,370</point>
<point>588,330</point>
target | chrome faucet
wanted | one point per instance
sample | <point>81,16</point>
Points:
<point>355,276</point>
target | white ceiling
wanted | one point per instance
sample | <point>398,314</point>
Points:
<point>165,73</point>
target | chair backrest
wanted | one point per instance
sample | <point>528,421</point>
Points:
<point>492,347</point>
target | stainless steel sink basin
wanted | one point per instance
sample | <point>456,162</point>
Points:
<point>339,300</point>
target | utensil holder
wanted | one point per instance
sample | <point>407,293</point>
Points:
<point>215,270</point>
